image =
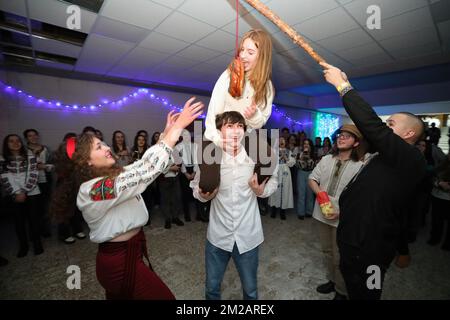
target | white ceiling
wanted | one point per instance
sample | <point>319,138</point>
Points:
<point>190,42</point>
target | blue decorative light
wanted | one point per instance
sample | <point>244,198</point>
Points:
<point>139,93</point>
<point>326,124</point>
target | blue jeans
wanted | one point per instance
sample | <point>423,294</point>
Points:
<point>216,261</point>
<point>305,196</point>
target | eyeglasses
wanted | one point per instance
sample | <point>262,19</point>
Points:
<point>344,135</point>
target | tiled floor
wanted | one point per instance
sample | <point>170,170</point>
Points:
<point>290,265</point>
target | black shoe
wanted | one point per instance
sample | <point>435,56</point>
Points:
<point>301,217</point>
<point>167,225</point>
<point>22,252</point>
<point>326,287</point>
<point>339,296</point>
<point>178,222</point>
<point>282,216</point>
<point>3,262</point>
<point>309,216</point>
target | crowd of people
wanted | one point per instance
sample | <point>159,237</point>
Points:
<point>368,187</point>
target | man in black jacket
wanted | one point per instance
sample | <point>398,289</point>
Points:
<point>375,203</point>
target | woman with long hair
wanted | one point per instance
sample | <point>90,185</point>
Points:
<point>119,146</point>
<point>305,197</point>
<point>19,178</point>
<point>109,197</point>
<point>255,103</point>
<point>140,145</point>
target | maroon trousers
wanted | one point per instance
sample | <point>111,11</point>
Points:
<point>123,274</point>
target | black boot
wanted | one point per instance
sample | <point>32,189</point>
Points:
<point>178,222</point>
<point>167,225</point>
<point>274,213</point>
<point>283,214</point>
<point>326,287</point>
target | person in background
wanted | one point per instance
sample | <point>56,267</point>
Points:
<point>42,154</point>
<point>305,197</point>
<point>283,198</point>
<point>376,202</point>
<point>331,176</point>
<point>99,134</point>
<point>19,179</point>
<point>119,146</point>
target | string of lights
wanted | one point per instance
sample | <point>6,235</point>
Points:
<point>135,94</point>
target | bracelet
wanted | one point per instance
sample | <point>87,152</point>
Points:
<point>343,85</point>
<point>345,90</point>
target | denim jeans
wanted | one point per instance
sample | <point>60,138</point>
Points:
<point>305,196</point>
<point>216,261</point>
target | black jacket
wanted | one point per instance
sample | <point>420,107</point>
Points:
<point>374,205</point>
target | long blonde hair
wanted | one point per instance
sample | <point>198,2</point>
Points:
<point>261,74</point>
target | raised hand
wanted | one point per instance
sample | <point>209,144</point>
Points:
<point>333,75</point>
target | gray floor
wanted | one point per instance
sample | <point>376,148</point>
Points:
<point>291,265</point>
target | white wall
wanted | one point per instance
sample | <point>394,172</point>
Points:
<point>18,114</point>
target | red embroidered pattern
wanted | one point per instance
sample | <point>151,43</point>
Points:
<point>103,190</point>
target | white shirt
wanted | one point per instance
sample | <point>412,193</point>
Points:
<point>112,207</point>
<point>221,101</point>
<point>322,174</point>
<point>234,214</point>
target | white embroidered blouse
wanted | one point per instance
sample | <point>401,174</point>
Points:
<point>113,206</point>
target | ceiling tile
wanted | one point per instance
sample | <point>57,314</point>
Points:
<point>326,25</point>
<point>388,8</point>
<point>118,30</point>
<point>180,62</point>
<point>221,61</point>
<point>17,7</point>
<point>219,41</point>
<point>54,12</point>
<point>413,39</point>
<point>408,22</point>
<point>56,47</point>
<point>99,54</point>
<point>368,60</point>
<point>416,51</point>
<point>169,3</point>
<point>135,61</point>
<point>144,13</point>
<point>350,39</point>
<point>184,28</point>
<point>52,64</point>
<point>444,31</point>
<point>163,43</point>
<point>218,15</point>
<point>293,11</point>
<point>361,51</point>
<point>197,53</point>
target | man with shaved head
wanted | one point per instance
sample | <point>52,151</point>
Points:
<point>376,203</point>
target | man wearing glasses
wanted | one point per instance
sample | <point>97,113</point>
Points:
<point>377,201</point>
<point>331,175</point>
